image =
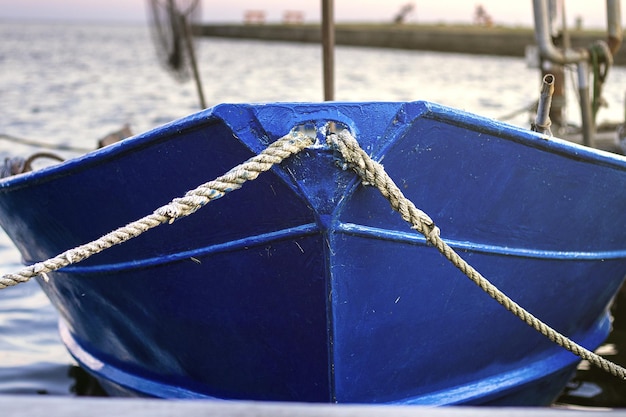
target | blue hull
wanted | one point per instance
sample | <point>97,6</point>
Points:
<point>305,285</point>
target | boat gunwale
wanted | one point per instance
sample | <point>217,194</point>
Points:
<point>219,115</point>
<point>408,237</point>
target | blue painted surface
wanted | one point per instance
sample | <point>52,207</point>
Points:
<point>309,286</point>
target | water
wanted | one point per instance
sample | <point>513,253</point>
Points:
<point>72,84</point>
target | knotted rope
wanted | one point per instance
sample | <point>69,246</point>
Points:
<point>373,173</point>
<point>274,154</point>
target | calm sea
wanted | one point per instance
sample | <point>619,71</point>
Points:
<point>71,84</point>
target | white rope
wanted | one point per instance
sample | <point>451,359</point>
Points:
<point>373,173</point>
<point>275,153</point>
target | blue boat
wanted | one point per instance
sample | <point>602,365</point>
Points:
<point>305,285</point>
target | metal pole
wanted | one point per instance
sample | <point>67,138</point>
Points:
<point>585,104</point>
<point>328,47</point>
<point>192,59</point>
<point>614,24</point>
<point>542,121</point>
<point>546,46</point>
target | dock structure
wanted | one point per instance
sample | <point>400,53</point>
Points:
<point>471,39</point>
<point>51,406</point>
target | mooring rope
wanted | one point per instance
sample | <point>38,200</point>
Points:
<point>275,153</point>
<point>373,173</point>
<point>56,147</point>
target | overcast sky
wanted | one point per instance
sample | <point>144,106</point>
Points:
<point>509,12</point>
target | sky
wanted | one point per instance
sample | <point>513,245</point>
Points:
<point>504,12</point>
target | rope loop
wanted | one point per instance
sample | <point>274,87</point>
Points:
<point>602,57</point>
<point>601,61</point>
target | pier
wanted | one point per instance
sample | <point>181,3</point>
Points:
<point>469,39</point>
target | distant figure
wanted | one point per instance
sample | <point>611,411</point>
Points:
<point>403,13</point>
<point>481,17</point>
<point>579,23</point>
<point>293,17</point>
<point>254,16</point>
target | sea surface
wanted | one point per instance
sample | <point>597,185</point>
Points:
<point>71,84</point>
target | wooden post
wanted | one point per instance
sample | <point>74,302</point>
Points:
<point>328,45</point>
<point>192,59</point>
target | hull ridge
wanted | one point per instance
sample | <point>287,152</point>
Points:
<point>305,285</point>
